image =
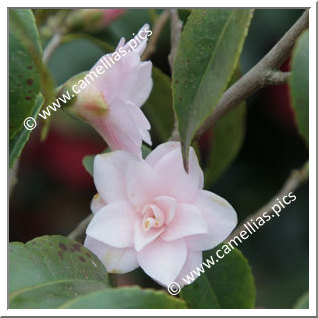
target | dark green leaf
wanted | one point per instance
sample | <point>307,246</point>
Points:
<point>158,107</point>
<point>299,83</point>
<point>17,144</point>
<point>52,266</point>
<point>126,297</point>
<point>209,49</point>
<point>200,294</point>
<point>231,283</point>
<point>24,84</point>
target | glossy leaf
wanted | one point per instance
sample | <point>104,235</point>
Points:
<point>24,83</point>
<point>158,107</point>
<point>225,141</point>
<point>231,283</point>
<point>208,52</point>
<point>299,83</point>
<point>17,144</point>
<point>54,267</point>
<point>126,298</point>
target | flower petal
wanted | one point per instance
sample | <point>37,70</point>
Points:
<point>141,122</point>
<point>97,203</point>
<point>221,219</point>
<point>116,260</point>
<point>188,220</point>
<point>194,260</point>
<point>142,237</point>
<point>143,184</point>
<point>113,225</point>
<point>109,175</point>
<point>163,260</point>
<point>166,159</point>
<point>168,205</point>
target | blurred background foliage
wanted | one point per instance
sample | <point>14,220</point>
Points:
<point>54,190</point>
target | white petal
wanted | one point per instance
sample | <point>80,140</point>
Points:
<point>97,203</point>
<point>113,225</point>
<point>109,175</point>
<point>142,237</point>
<point>221,219</point>
<point>116,260</point>
<point>188,220</point>
<point>194,260</point>
<point>163,260</point>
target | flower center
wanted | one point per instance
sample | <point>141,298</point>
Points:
<point>153,217</point>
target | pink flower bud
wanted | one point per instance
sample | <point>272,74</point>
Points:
<point>110,95</point>
<point>151,213</point>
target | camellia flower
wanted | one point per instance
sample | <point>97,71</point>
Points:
<point>151,213</point>
<point>110,95</point>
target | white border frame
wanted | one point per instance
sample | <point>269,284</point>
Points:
<point>312,160</point>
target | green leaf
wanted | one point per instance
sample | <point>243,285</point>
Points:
<point>24,83</point>
<point>17,144</point>
<point>302,302</point>
<point>158,107</point>
<point>226,139</point>
<point>231,283</point>
<point>208,53</point>
<point>88,161</point>
<point>126,298</point>
<point>299,83</point>
<point>50,270</point>
<point>200,294</point>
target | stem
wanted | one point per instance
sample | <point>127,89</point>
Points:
<point>80,228</point>
<point>158,27</point>
<point>51,47</point>
<point>264,73</point>
<point>296,178</point>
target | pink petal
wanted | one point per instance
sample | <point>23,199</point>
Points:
<point>166,159</point>
<point>194,260</point>
<point>116,260</point>
<point>109,175</point>
<point>113,225</point>
<point>163,260</point>
<point>97,203</point>
<point>142,237</point>
<point>141,122</point>
<point>168,205</point>
<point>221,219</point>
<point>188,220</point>
<point>143,184</point>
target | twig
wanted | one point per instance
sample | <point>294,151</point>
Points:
<point>80,229</point>
<point>176,28</point>
<point>158,27</point>
<point>296,178</point>
<point>264,73</point>
<point>51,47</point>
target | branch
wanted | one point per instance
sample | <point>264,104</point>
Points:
<point>264,73</point>
<point>51,47</point>
<point>158,27</point>
<point>176,28</point>
<point>296,178</point>
<point>80,229</point>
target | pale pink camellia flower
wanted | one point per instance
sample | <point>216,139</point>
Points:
<point>151,213</point>
<point>111,101</point>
